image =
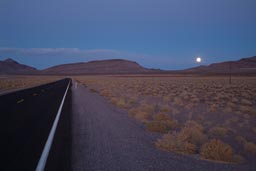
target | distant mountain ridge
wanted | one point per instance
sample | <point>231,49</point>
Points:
<point>121,66</point>
<point>242,66</point>
<point>111,66</point>
<point>9,66</point>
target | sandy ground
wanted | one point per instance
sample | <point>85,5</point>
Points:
<point>106,138</point>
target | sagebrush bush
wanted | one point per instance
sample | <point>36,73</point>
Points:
<point>178,101</point>
<point>250,147</point>
<point>217,150</point>
<point>121,103</point>
<point>213,108</point>
<point>238,159</point>
<point>144,111</point>
<point>162,126</point>
<point>142,116</point>
<point>218,131</point>
<point>165,109</point>
<point>246,102</point>
<point>161,123</point>
<point>195,133</point>
<point>184,141</point>
<point>161,117</point>
<point>176,142</point>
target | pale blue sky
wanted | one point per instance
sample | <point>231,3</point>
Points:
<point>165,34</point>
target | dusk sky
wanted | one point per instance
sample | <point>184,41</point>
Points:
<point>166,34</point>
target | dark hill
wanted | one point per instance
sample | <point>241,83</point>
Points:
<point>9,66</point>
<point>112,66</point>
<point>242,66</point>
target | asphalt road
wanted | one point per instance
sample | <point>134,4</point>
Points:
<point>26,119</point>
<point>106,138</point>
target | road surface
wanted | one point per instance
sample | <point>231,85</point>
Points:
<point>26,119</point>
<point>106,138</point>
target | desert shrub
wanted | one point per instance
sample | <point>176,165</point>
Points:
<point>246,109</point>
<point>132,100</point>
<point>234,100</point>
<point>121,103</point>
<point>227,109</point>
<point>238,159</point>
<point>189,106</point>
<point>147,108</point>
<point>218,131</point>
<point>161,117</point>
<point>250,147</point>
<point>238,112</point>
<point>93,90</point>
<point>195,100</point>
<point>217,150</point>
<point>142,116</point>
<point>162,126</point>
<point>140,113</point>
<point>167,98</point>
<point>105,93</point>
<point>194,124</point>
<point>165,109</point>
<point>175,111</point>
<point>176,142</point>
<point>254,130</point>
<point>178,101</point>
<point>246,102</point>
<point>213,108</point>
<point>194,132</point>
<point>184,141</point>
<point>114,100</point>
<point>231,104</point>
<point>161,123</point>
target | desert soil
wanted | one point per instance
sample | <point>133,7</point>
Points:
<point>104,137</point>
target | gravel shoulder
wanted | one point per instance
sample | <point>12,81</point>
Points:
<point>106,138</point>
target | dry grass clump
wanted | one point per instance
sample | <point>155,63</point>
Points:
<point>105,93</point>
<point>238,159</point>
<point>165,109</point>
<point>161,123</point>
<point>178,101</point>
<point>143,112</point>
<point>161,117</point>
<point>254,130</point>
<point>120,102</point>
<point>93,90</point>
<point>246,102</point>
<point>139,114</point>
<point>227,109</point>
<point>195,132</point>
<point>218,131</point>
<point>213,108</point>
<point>161,126</point>
<point>176,142</point>
<point>217,150</point>
<point>250,147</point>
<point>185,141</point>
<point>132,100</point>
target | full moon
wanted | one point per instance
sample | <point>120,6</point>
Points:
<point>198,59</point>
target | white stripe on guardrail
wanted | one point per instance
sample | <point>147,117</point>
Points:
<point>47,147</point>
